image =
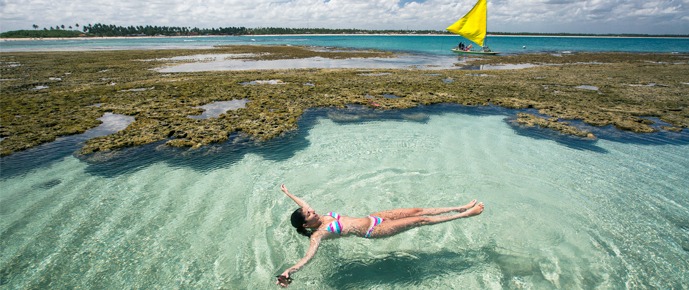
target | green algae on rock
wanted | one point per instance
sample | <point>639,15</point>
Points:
<point>82,86</point>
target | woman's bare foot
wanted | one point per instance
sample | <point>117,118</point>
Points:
<point>467,206</point>
<point>476,210</point>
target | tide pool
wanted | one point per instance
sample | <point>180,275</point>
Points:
<point>561,213</point>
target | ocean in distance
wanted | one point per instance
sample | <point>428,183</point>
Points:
<point>561,213</point>
<point>426,44</point>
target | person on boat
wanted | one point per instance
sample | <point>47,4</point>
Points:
<point>468,47</point>
<point>461,46</point>
<point>377,225</point>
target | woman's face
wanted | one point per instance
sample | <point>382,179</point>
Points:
<point>310,216</point>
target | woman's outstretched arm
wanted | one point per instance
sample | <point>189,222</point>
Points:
<point>313,248</point>
<point>299,201</point>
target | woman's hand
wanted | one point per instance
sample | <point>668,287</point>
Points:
<point>284,189</point>
<point>284,280</point>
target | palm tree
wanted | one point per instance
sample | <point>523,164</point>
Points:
<point>35,26</point>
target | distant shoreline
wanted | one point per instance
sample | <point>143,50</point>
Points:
<point>85,38</point>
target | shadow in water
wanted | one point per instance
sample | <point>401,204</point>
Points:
<point>204,159</point>
<point>661,137</point>
<point>49,153</point>
<point>407,269</point>
<point>573,142</point>
<point>402,269</point>
<point>610,133</point>
<point>43,155</point>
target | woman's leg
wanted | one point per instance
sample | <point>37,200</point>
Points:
<point>395,226</point>
<point>414,212</point>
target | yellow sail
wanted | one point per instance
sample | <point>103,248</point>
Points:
<point>473,25</point>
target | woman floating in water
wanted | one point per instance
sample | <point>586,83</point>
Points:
<point>378,225</point>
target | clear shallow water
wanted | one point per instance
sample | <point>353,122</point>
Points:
<point>560,213</point>
<point>215,109</point>
<point>407,61</point>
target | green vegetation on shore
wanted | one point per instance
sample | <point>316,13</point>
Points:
<point>109,30</point>
<point>41,34</point>
<point>50,94</point>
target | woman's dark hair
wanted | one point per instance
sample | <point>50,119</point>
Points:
<point>298,221</point>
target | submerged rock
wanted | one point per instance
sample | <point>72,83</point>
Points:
<point>530,120</point>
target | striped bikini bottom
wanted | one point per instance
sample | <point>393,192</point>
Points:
<point>374,222</point>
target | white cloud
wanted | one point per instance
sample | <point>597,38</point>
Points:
<point>587,16</point>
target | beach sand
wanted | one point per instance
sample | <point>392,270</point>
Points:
<point>51,94</point>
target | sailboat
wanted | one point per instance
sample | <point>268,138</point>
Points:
<point>473,27</point>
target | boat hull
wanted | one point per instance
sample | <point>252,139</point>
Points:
<point>474,52</point>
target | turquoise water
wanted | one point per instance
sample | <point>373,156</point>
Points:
<point>436,45</point>
<point>561,213</point>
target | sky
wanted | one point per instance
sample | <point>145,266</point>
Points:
<point>541,16</point>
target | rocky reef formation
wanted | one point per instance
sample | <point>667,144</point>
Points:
<point>50,94</point>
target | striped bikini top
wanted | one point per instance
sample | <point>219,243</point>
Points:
<point>335,226</point>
